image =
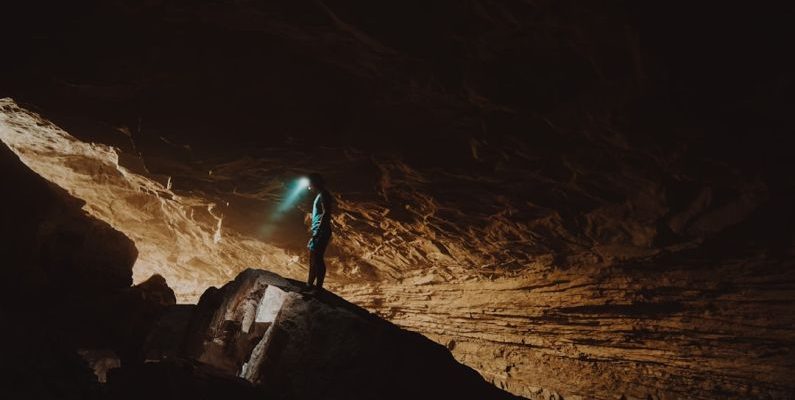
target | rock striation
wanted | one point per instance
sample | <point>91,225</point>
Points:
<point>65,291</point>
<point>694,330</point>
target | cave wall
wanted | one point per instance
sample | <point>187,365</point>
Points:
<point>177,235</point>
<point>577,132</point>
<point>51,242</point>
<point>703,319</point>
<point>67,299</point>
<point>671,328</point>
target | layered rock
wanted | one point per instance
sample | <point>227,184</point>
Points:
<point>51,243</point>
<point>65,294</point>
<point>683,330</point>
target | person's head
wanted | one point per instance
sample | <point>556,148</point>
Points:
<point>316,182</point>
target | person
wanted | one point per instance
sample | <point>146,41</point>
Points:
<point>321,230</point>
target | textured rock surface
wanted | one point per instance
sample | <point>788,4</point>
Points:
<point>633,330</point>
<point>658,326</point>
<point>65,294</point>
<point>571,195</point>
<point>175,235</point>
<point>298,346</point>
<point>49,242</point>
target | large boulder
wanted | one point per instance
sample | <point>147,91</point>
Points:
<point>293,345</point>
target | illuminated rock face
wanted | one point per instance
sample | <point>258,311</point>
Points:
<point>178,237</point>
<point>303,346</point>
<point>65,293</point>
<point>48,241</point>
<point>668,326</point>
<point>497,300</point>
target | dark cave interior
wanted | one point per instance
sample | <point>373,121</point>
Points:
<point>546,199</point>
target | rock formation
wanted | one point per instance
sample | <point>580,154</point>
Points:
<point>65,295</point>
<point>74,273</point>
<point>300,346</point>
<point>588,198</point>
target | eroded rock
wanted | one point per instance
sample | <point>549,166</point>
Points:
<point>65,291</point>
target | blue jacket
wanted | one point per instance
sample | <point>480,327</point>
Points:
<point>321,217</point>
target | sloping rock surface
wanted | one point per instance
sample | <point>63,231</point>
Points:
<point>319,346</point>
<point>66,299</point>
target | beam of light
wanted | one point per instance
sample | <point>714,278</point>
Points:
<point>183,238</point>
<point>296,190</point>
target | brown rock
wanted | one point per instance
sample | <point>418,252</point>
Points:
<point>303,346</point>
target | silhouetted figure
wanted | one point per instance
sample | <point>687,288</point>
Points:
<point>321,230</point>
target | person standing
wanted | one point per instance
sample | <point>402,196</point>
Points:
<point>321,231</point>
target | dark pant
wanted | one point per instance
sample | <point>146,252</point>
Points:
<point>317,267</point>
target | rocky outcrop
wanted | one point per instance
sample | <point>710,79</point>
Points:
<point>49,242</point>
<point>178,236</point>
<point>318,346</point>
<point>65,295</point>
